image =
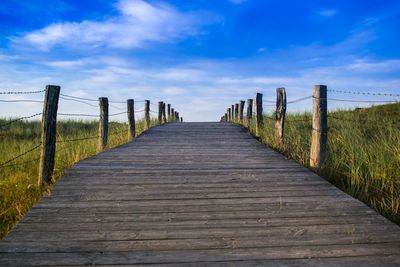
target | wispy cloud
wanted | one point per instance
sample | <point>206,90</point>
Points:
<point>328,12</point>
<point>200,86</point>
<point>236,2</point>
<point>138,22</point>
<point>200,89</point>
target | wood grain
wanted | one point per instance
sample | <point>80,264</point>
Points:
<point>198,194</point>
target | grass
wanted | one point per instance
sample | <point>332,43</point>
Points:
<point>19,189</point>
<point>363,152</point>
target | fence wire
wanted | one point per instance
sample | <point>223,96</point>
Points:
<point>77,115</point>
<point>21,92</point>
<point>20,155</point>
<point>21,101</point>
<point>116,114</point>
<point>80,98</point>
<point>298,100</point>
<point>19,164</point>
<point>359,101</point>
<point>78,101</point>
<point>19,119</point>
<point>363,93</point>
<point>77,139</point>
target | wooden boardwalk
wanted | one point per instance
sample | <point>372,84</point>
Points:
<point>198,194</point>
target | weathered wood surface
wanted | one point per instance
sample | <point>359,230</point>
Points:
<point>103,124</point>
<point>198,194</point>
<point>49,134</point>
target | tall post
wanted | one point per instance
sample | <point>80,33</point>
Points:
<point>280,114</point>
<point>249,111</point>
<point>169,112</point>
<point>181,119</point>
<point>233,113</point>
<point>131,118</point>
<point>177,116</point>
<point>320,127</point>
<point>147,114</point>
<point>172,119</point>
<point>226,117</point>
<point>241,110</point>
<point>160,106</point>
<point>229,115</point>
<point>259,114</point>
<point>49,133</point>
<point>164,117</point>
<point>237,113</point>
<point>103,123</point>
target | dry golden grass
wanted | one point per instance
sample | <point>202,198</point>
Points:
<point>363,152</point>
<point>19,189</point>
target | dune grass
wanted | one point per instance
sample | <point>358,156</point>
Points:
<point>363,153</point>
<point>19,188</point>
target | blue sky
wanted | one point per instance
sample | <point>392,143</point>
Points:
<point>200,55</point>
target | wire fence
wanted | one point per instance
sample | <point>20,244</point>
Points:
<point>21,92</point>
<point>68,140</point>
<point>361,136</point>
<point>78,115</point>
<point>21,155</point>
<point>19,119</point>
<point>357,92</point>
<point>21,101</point>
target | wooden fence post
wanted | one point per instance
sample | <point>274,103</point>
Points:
<point>131,118</point>
<point>241,110</point>
<point>177,116</point>
<point>172,115</point>
<point>49,133</point>
<point>164,117</point>
<point>160,106</point>
<point>147,114</point>
<point>320,127</point>
<point>259,114</point>
<point>280,116</point>
<point>233,113</point>
<point>181,119</point>
<point>103,123</point>
<point>237,113</point>
<point>169,112</point>
<point>249,111</point>
<point>229,115</point>
<point>226,117</point>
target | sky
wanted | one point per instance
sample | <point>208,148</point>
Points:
<point>201,56</point>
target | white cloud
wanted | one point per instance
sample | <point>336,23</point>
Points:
<point>212,87</point>
<point>173,91</point>
<point>138,22</point>
<point>68,63</point>
<point>7,57</point>
<point>375,67</point>
<point>327,12</point>
<point>203,89</point>
<point>236,2</point>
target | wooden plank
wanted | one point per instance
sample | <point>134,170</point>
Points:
<point>183,256</point>
<point>198,194</point>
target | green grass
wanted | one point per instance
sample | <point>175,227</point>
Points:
<point>19,189</point>
<point>363,156</point>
